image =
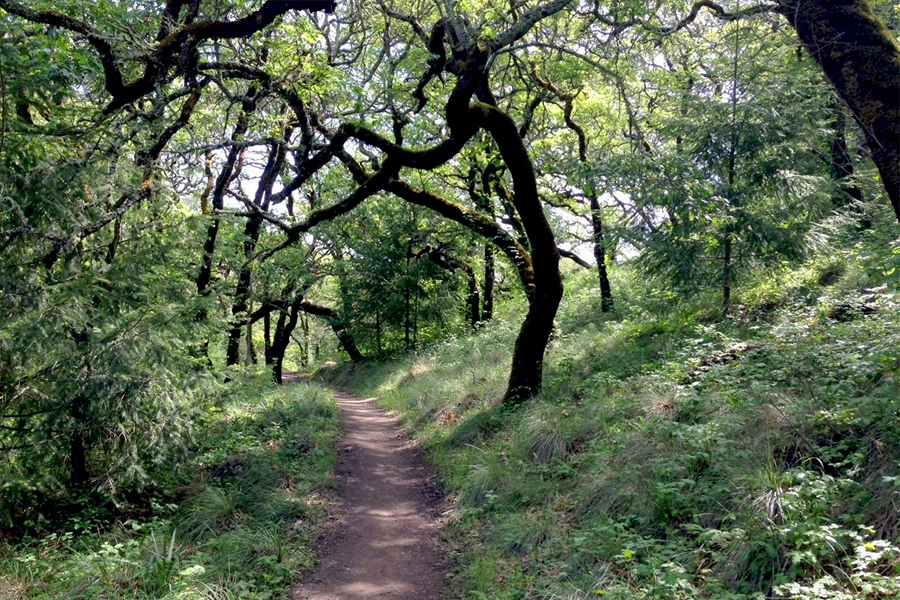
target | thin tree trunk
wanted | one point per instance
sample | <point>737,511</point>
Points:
<point>267,336</point>
<point>250,358</point>
<point>841,163</point>
<point>730,197</point>
<point>848,193</point>
<point>407,300</point>
<point>726,274</point>
<point>239,310</point>
<point>568,98</point>
<point>487,307</point>
<point>77,453</point>
<point>474,301</point>
<point>378,333</point>
<point>304,347</point>
<point>416,312</point>
<point>204,278</point>
<point>287,322</point>
<point>483,202</point>
<point>606,299</point>
<point>452,264</point>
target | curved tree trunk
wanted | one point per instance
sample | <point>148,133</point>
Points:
<point>538,270</point>
<point>862,60</point>
<point>546,292</point>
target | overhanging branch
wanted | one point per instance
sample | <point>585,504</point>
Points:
<point>169,49</point>
<point>719,11</point>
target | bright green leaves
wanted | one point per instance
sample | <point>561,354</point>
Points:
<point>726,181</point>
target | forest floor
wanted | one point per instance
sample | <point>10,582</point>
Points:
<point>384,543</point>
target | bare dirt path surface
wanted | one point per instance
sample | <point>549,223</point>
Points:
<point>385,542</point>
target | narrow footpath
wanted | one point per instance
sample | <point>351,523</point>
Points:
<point>385,542</point>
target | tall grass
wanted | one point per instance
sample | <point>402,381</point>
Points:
<point>243,527</point>
<point>673,453</point>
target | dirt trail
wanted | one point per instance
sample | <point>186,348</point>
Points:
<point>384,544</point>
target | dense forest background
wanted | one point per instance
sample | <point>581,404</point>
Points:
<point>197,197</point>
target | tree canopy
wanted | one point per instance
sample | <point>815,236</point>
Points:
<point>193,185</point>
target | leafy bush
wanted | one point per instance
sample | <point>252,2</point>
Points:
<point>244,528</point>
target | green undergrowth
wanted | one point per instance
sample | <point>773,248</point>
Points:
<point>238,522</point>
<point>675,453</point>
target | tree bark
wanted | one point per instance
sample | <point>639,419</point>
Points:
<point>267,337</point>
<point>726,272</point>
<point>862,60</point>
<point>546,292</point>
<point>606,299</point>
<point>77,453</point>
<point>483,203</point>
<point>304,346</point>
<point>378,348</point>
<point>242,292</point>
<point>487,296</point>
<point>287,321</point>
<point>407,300</point>
<point>473,301</point>
<point>250,358</point>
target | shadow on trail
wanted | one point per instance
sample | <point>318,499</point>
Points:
<point>385,543</point>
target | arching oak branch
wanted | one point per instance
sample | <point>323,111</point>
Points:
<point>169,49</point>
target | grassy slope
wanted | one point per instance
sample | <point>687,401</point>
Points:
<point>665,460</point>
<point>248,506</point>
